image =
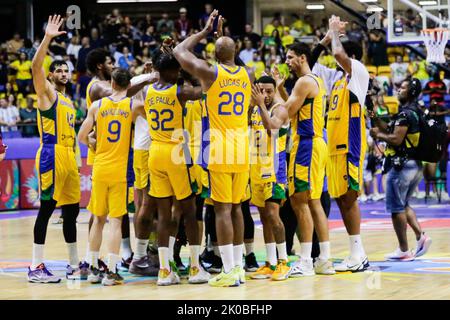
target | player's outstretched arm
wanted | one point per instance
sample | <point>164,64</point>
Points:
<point>189,93</point>
<point>42,86</point>
<point>196,67</point>
<point>139,82</point>
<point>338,50</point>
<point>279,116</point>
<point>88,125</point>
<point>302,88</point>
<point>138,109</point>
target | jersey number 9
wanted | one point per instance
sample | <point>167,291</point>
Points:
<point>114,130</point>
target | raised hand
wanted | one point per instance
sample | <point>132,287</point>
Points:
<point>53,25</point>
<point>257,96</point>
<point>210,23</point>
<point>167,45</point>
<point>277,76</point>
<point>219,31</point>
<point>334,23</point>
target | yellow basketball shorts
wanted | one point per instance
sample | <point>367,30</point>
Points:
<point>228,187</point>
<point>109,198</point>
<point>168,178</point>
<point>90,157</point>
<point>58,174</point>
<point>140,167</point>
<point>307,167</point>
<point>344,175</point>
<point>262,192</point>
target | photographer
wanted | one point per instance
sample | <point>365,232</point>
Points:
<point>403,175</point>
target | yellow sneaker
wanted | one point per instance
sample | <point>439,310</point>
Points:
<point>230,279</point>
<point>282,271</point>
<point>263,272</point>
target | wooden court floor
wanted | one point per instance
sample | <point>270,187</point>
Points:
<point>425,278</point>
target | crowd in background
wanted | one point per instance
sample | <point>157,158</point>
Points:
<point>133,41</point>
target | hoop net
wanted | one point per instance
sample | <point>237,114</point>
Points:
<point>435,40</point>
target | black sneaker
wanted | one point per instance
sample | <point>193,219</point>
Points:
<point>112,279</point>
<point>251,265</point>
<point>206,258</point>
<point>125,264</point>
<point>102,267</point>
<point>143,267</point>
<point>216,266</point>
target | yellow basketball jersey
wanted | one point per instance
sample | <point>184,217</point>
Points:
<point>164,114</point>
<point>57,124</point>
<point>193,125</point>
<point>114,155</point>
<point>226,103</point>
<point>268,153</point>
<point>309,120</point>
<point>346,127</point>
<point>88,91</point>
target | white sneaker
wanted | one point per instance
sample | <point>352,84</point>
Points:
<point>420,195</point>
<point>378,197</point>
<point>432,195</point>
<point>363,198</point>
<point>167,278</point>
<point>353,265</point>
<point>322,266</point>
<point>444,196</point>
<point>399,255</point>
<point>423,245</point>
<point>302,268</point>
<point>198,275</point>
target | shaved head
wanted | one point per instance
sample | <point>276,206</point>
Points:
<point>225,49</point>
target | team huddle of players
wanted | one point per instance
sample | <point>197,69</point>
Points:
<point>222,136</point>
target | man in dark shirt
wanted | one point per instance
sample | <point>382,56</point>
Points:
<point>82,54</point>
<point>28,116</point>
<point>403,174</point>
<point>254,37</point>
<point>436,88</point>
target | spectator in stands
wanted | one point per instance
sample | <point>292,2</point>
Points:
<point>82,54</point>
<point>399,71</point>
<point>246,55</point>
<point>96,41</point>
<point>377,50</point>
<point>296,26</point>
<point>307,25</point>
<point>28,49</point>
<point>257,65</point>
<point>112,24</point>
<point>74,47</point>
<point>183,26</point>
<point>418,69</point>
<point>81,87</point>
<point>9,116</point>
<point>14,45</point>
<point>416,24</point>
<point>165,21</point>
<point>356,33</point>
<point>150,39</point>
<point>204,17</point>
<point>275,24</point>
<point>3,73</point>
<point>28,116</point>
<point>287,39</point>
<point>436,88</point>
<point>23,76</point>
<point>127,59</point>
<point>254,37</point>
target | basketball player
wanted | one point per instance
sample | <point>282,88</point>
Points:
<point>169,172</point>
<point>59,181</point>
<point>346,131</point>
<point>111,178</point>
<point>268,175</point>
<point>228,94</point>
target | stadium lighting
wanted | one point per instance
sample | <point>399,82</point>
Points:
<point>374,9</point>
<point>367,1</point>
<point>315,6</point>
<point>428,3</point>
<point>133,1</point>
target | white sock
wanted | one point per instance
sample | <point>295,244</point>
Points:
<point>126,248</point>
<point>216,251</point>
<point>248,248</point>
<point>113,259</point>
<point>88,254</point>
<point>171,244</point>
<point>73,254</point>
<point>163,253</point>
<point>356,247</point>
<point>93,259</point>
<point>324,250</point>
<point>305,250</point>
<point>38,255</point>
<point>141,249</point>
<point>271,253</point>
<point>282,251</point>
<point>237,254</point>
<point>195,254</point>
<point>227,252</point>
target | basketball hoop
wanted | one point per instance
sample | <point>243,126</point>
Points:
<point>435,40</point>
